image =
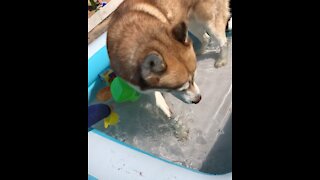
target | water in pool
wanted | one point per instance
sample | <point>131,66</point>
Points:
<point>199,137</point>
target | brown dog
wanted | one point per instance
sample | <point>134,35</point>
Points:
<point>148,44</point>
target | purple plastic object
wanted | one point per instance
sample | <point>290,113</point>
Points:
<point>97,112</point>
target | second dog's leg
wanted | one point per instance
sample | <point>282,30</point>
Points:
<point>218,31</point>
<point>198,30</point>
<point>214,17</point>
<point>161,103</point>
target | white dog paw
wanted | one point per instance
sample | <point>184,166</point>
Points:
<point>220,63</point>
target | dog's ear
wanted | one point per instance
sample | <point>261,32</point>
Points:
<point>153,65</point>
<point>180,32</point>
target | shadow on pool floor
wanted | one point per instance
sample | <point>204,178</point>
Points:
<point>219,160</point>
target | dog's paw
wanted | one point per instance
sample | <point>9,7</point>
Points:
<point>200,52</point>
<point>220,63</point>
<point>208,48</point>
<point>167,111</point>
<point>161,103</point>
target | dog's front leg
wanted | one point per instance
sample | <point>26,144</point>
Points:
<point>161,103</point>
<point>198,30</point>
<point>217,28</point>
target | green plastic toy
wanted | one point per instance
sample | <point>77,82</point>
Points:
<point>122,92</point>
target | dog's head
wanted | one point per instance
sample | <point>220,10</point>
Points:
<point>153,56</point>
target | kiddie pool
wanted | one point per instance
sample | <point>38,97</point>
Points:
<point>143,146</point>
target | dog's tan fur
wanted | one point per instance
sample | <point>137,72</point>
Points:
<point>156,31</point>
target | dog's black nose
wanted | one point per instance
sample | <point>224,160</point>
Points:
<point>198,100</point>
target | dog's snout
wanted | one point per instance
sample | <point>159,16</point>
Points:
<point>198,99</point>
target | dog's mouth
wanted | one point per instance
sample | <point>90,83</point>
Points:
<point>197,100</point>
<point>186,100</point>
<point>191,102</point>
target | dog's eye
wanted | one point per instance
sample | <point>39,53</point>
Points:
<point>184,86</point>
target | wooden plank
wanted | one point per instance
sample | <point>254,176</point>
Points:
<point>102,14</point>
<point>98,30</point>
